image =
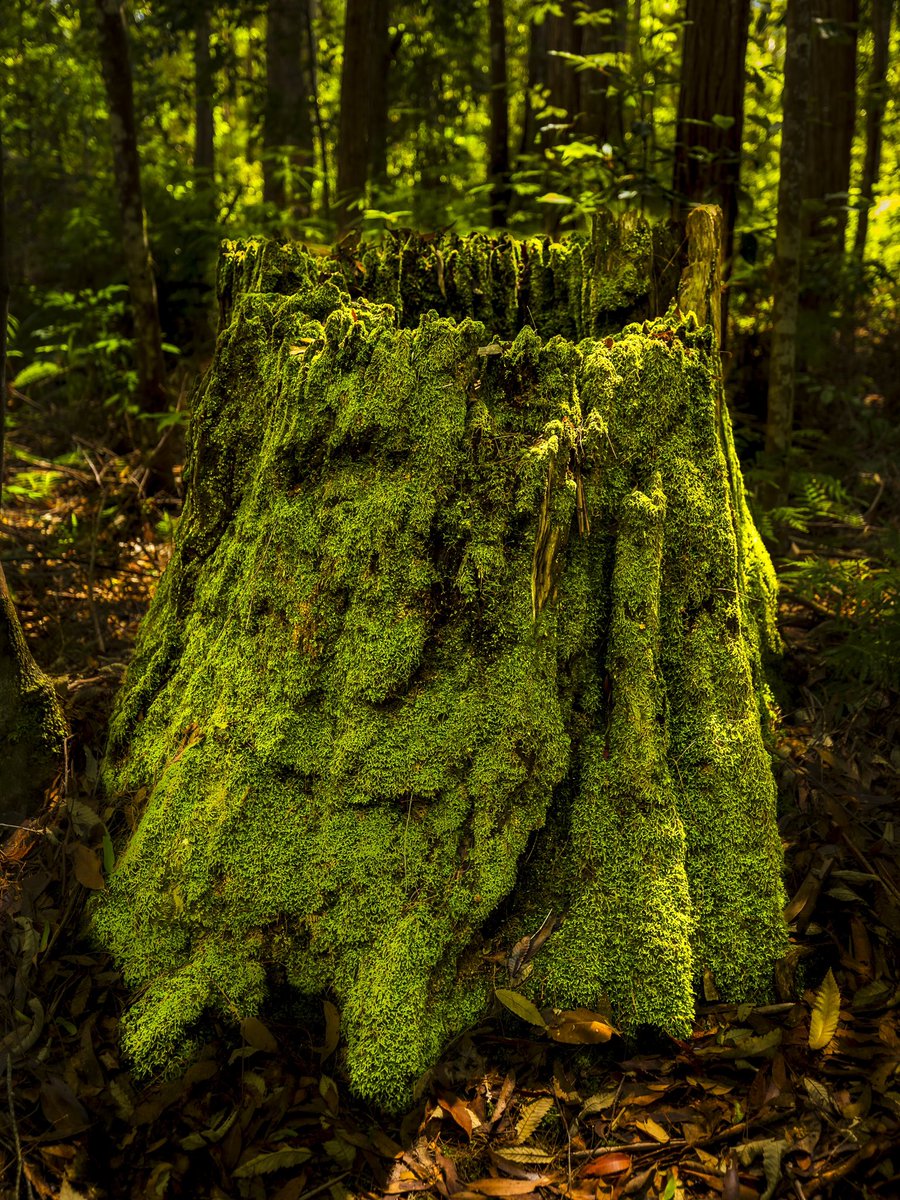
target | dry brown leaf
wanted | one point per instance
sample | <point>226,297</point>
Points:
<point>454,1107</point>
<point>87,868</point>
<point>652,1129</point>
<point>579,1027</point>
<point>506,1187</point>
<point>608,1164</point>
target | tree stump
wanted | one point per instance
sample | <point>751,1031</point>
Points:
<point>464,627</point>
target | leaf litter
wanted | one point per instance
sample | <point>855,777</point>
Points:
<point>798,1098</point>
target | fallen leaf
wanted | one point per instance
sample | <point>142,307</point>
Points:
<point>521,1006</point>
<point>652,1129</point>
<point>608,1164</point>
<point>826,1013</point>
<point>255,1034</point>
<point>87,868</point>
<point>579,1027</point>
<point>332,1030</point>
<point>62,1108</point>
<point>455,1108</point>
<point>523,1155</point>
<point>531,1116</point>
<point>275,1160</point>
<point>506,1187</point>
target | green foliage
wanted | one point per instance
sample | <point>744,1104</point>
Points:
<point>82,350</point>
<point>861,602</point>
<point>382,659</point>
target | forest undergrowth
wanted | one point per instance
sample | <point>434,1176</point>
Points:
<point>797,1098</point>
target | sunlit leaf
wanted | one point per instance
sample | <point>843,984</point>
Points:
<point>607,1164</point>
<point>826,1013</point>
<point>579,1027</point>
<point>521,1006</point>
<point>531,1117</point>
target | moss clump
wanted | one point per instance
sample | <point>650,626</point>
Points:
<point>387,655</point>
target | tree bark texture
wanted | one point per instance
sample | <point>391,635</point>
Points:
<point>115,63</point>
<point>711,107</point>
<point>876,98</point>
<point>460,629</point>
<point>498,158</point>
<point>831,116</point>
<point>789,233</point>
<point>602,114</point>
<point>289,152</point>
<point>383,50</point>
<point>204,94</point>
<point>361,79</point>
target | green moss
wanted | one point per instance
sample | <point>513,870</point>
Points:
<point>387,654</point>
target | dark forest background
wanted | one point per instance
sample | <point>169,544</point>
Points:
<point>137,136</point>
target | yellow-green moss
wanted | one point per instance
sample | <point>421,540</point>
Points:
<point>387,653</point>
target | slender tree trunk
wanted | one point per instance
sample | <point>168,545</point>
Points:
<point>563,37</point>
<point>355,125</point>
<point>603,118</point>
<point>832,119</point>
<point>711,107</point>
<point>382,53</point>
<point>537,78</point>
<point>312,57</point>
<point>498,165</point>
<point>875,104</point>
<point>789,234</point>
<point>204,90</point>
<point>115,63</point>
<point>288,131</point>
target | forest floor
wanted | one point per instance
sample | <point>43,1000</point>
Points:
<point>745,1108</point>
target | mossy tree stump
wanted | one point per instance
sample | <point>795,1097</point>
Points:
<point>464,625</point>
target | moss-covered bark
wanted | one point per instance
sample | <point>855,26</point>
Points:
<point>445,592</point>
<point>32,727</point>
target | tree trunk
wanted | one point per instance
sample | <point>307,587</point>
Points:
<point>602,114</point>
<point>288,130</point>
<point>537,78</point>
<point>32,727</point>
<point>789,233</point>
<point>312,57</point>
<point>115,63</point>
<point>876,97</point>
<point>711,107</point>
<point>360,79</point>
<point>498,158</point>
<point>382,55</point>
<point>432,661</point>
<point>832,117</point>
<point>204,92</point>
<point>563,37</point>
